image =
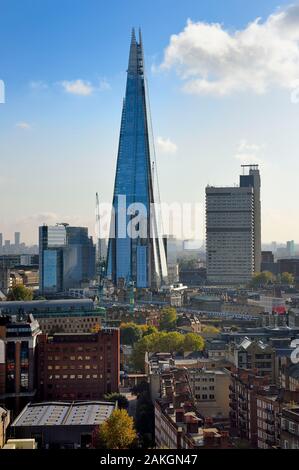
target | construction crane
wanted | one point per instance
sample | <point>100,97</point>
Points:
<point>98,228</point>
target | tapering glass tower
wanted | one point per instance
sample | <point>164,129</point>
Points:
<point>136,252</point>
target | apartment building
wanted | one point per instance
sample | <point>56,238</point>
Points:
<point>253,355</point>
<point>210,389</point>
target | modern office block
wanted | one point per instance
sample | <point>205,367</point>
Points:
<point>79,265</point>
<point>233,231</point>
<point>140,260</point>
<point>66,258</point>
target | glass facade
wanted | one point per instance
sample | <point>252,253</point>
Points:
<point>67,258</point>
<point>140,259</point>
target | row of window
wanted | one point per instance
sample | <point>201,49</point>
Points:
<point>75,376</point>
<point>204,396</point>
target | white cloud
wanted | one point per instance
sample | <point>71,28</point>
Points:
<point>78,87</point>
<point>250,153</point>
<point>23,125</point>
<point>38,85</point>
<point>166,146</point>
<point>212,60</point>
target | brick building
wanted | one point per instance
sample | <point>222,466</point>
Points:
<point>78,366</point>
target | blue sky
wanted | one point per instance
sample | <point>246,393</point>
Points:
<point>57,147</point>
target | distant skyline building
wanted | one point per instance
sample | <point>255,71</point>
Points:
<point>291,248</point>
<point>66,258</point>
<point>17,239</point>
<point>142,259</point>
<point>233,230</point>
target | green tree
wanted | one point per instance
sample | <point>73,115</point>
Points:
<point>168,319</point>
<point>148,329</point>
<point>262,279</point>
<point>130,333</point>
<point>210,329</point>
<point>164,342</point>
<point>287,278</point>
<point>117,432</point>
<point>122,401</point>
<point>20,293</point>
<point>193,342</point>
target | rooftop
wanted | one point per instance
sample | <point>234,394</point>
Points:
<point>64,413</point>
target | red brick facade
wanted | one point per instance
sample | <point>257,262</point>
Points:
<point>78,366</point>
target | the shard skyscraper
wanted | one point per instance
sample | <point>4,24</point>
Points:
<point>136,252</point>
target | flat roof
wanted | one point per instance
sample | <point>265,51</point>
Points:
<point>64,413</point>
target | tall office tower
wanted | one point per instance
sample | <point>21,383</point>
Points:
<point>233,224</point>
<point>1,242</point>
<point>291,248</point>
<point>52,240</point>
<point>136,259</point>
<point>79,258</point>
<point>17,239</point>
<point>253,180</point>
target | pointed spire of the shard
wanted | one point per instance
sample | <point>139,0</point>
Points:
<point>139,260</point>
<point>133,57</point>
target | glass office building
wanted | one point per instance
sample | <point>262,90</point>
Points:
<point>67,258</point>
<point>52,240</point>
<point>136,252</point>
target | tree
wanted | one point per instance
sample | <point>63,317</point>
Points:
<point>117,432</point>
<point>164,342</point>
<point>20,293</point>
<point>193,342</point>
<point>130,333</point>
<point>262,279</point>
<point>122,401</point>
<point>148,329</point>
<point>210,330</point>
<point>168,319</point>
<point>287,278</point>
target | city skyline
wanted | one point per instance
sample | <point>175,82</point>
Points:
<point>74,144</point>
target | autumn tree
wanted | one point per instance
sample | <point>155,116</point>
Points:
<point>117,432</point>
<point>20,293</point>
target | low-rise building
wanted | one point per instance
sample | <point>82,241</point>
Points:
<point>210,390</point>
<point>61,424</point>
<point>289,437</point>
<point>178,424</point>
<point>243,406</point>
<point>4,423</point>
<point>253,355</point>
